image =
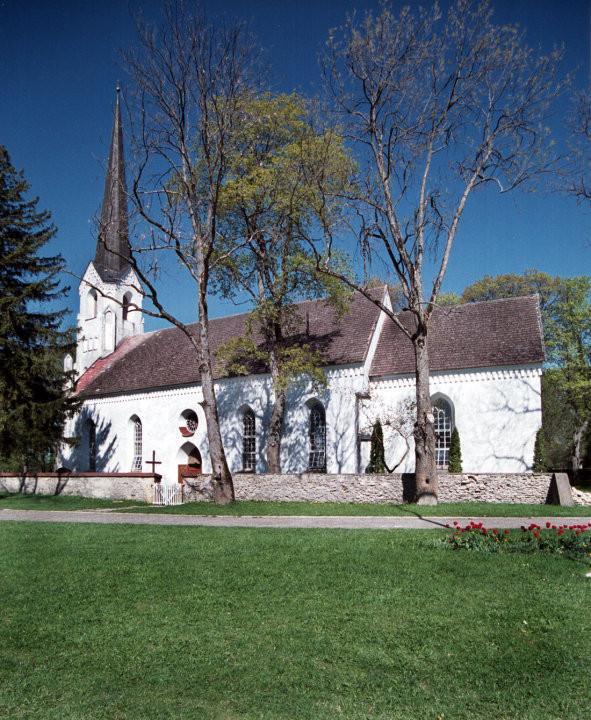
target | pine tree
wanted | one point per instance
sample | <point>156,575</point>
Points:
<point>33,399</point>
<point>540,463</point>
<point>377,458</point>
<point>455,453</point>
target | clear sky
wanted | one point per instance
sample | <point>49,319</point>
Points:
<point>59,64</point>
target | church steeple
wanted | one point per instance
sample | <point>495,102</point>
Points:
<point>112,248</point>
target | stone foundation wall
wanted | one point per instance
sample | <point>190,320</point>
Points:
<point>110,486</point>
<point>516,488</point>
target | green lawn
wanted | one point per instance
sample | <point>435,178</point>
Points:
<point>119,623</point>
<point>60,502</point>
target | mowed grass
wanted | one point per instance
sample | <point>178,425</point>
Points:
<point>64,502</point>
<point>124,622</point>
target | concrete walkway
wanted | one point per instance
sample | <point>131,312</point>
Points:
<point>364,522</point>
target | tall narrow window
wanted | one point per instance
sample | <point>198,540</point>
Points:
<point>125,305</point>
<point>109,331</point>
<point>91,304</point>
<point>249,441</point>
<point>317,437</point>
<point>443,426</point>
<point>136,463</point>
<point>91,432</point>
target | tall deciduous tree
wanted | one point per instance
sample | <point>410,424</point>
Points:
<point>437,106</point>
<point>580,185</point>
<point>274,194</point>
<point>191,80</point>
<point>34,403</point>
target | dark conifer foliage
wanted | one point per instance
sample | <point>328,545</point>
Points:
<point>33,399</point>
<point>377,458</point>
<point>540,463</point>
<point>455,453</point>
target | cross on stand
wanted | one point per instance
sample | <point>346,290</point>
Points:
<point>153,462</point>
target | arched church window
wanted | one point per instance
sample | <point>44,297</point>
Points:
<point>109,330</point>
<point>317,437</point>
<point>91,435</point>
<point>91,304</point>
<point>443,426</point>
<point>136,423</point>
<point>249,441</point>
<point>125,305</point>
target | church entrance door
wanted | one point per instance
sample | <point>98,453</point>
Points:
<point>192,468</point>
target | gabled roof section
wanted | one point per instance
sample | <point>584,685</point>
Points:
<point>112,248</point>
<point>492,333</point>
<point>167,358</point>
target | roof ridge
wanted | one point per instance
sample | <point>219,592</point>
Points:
<point>529,296</point>
<point>242,314</point>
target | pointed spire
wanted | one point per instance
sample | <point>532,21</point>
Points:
<point>112,248</point>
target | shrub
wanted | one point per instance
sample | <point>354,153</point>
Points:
<point>540,463</point>
<point>455,453</point>
<point>377,459</point>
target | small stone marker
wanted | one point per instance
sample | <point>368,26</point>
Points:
<point>560,492</point>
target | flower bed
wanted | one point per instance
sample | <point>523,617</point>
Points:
<point>570,540</point>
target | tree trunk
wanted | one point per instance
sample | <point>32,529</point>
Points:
<point>576,458</point>
<point>277,413</point>
<point>223,487</point>
<point>275,434</point>
<point>424,434</point>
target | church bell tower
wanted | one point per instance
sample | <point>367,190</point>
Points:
<point>110,301</point>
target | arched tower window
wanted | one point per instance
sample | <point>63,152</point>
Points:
<point>249,441</point>
<point>136,424</point>
<point>125,305</point>
<point>91,435</point>
<point>443,426</point>
<point>91,304</point>
<point>109,330</point>
<point>317,437</point>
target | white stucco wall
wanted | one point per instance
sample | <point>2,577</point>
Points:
<point>92,342</point>
<point>160,412</point>
<point>497,412</point>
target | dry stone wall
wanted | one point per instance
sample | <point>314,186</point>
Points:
<point>110,486</point>
<point>511,488</point>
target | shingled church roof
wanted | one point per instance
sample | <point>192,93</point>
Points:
<point>166,357</point>
<point>475,335</point>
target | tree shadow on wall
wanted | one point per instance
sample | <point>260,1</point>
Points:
<point>232,400</point>
<point>105,443</point>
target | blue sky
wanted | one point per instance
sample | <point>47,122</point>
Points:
<point>60,63</point>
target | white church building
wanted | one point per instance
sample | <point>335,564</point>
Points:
<point>141,390</point>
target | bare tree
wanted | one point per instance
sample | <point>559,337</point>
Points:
<point>436,106</point>
<point>581,150</point>
<point>190,81</point>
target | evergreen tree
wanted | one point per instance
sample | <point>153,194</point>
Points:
<point>33,398</point>
<point>377,458</point>
<point>455,453</point>
<point>540,463</point>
